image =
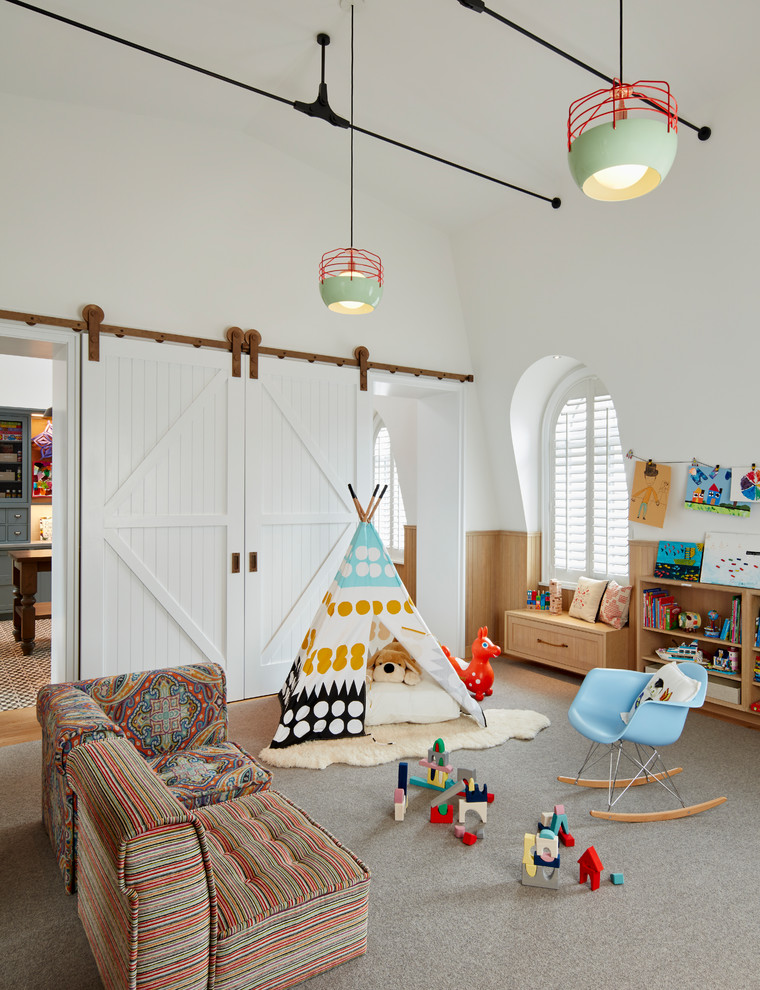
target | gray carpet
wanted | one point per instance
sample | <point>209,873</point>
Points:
<point>444,915</point>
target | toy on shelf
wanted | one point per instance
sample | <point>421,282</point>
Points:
<point>727,661</point>
<point>538,600</point>
<point>689,621</point>
<point>712,627</point>
<point>478,675</point>
<point>590,867</point>
<point>555,597</point>
<point>690,651</point>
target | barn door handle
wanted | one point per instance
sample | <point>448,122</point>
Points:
<point>253,562</point>
<point>236,563</point>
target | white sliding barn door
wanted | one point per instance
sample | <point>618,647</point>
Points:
<point>308,435</point>
<point>162,510</point>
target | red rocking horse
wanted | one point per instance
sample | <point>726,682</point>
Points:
<point>478,674</point>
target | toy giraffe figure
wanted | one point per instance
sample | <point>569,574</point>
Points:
<point>478,674</point>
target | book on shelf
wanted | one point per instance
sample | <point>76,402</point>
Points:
<point>757,631</point>
<point>736,619</point>
<point>726,628</point>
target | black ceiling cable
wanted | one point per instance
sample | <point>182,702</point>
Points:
<point>479,6</point>
<point>320,108</point>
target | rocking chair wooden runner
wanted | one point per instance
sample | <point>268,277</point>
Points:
<point>596,713</point>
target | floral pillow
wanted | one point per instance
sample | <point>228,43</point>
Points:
<point>615,604</point>
<point>586,600</point>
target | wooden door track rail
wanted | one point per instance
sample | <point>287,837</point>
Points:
<point>236,341</point>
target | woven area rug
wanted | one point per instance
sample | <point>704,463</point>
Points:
<point>21,677</point>
<point>387,743</point>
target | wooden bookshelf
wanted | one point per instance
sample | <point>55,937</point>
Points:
<point>728,695</point>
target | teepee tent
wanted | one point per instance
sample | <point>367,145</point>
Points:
<point>366,607</point>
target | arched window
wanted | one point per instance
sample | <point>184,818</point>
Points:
<point>390,518</point>
<point>585,495</point>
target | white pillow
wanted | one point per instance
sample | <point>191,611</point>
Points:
<point>668,684</point>
<point>421,703</point>
<point>588,595</point>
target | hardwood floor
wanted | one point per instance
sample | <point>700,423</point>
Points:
<point>18,726</point>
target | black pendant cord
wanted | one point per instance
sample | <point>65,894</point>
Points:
<point>320,108</point>
<point>351,241</point>
<point>703,133</point>
<point>621,77</point>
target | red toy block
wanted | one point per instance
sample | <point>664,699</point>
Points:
<point>469,839</point>
<point>437,817</point>
<point>590,867</point>
<point>565,838</point>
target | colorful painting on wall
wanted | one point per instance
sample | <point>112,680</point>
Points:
<point>745,484</point>
<point>649,498</point>
<point>680,561</point>
<point>709,489</point>
<point>732,560</point>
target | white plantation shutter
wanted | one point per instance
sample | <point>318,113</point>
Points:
<point>390,518</point>
<point>586,517</point>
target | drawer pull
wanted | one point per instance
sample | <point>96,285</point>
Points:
<point>544,643</point>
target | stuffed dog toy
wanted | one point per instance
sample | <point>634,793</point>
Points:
<point>393,663</point>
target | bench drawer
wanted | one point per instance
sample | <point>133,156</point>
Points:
<point>570,648</point>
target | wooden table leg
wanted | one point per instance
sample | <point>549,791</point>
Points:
<point>24,597</point>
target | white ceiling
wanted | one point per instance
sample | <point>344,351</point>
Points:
<point>429,73</point>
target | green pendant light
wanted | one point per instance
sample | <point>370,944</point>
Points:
<point>621,142</point>
<point>351,279</point>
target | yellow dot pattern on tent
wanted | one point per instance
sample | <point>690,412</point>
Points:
<point>324,659</point>
<point>364,607</point>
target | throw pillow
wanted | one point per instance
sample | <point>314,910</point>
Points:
<point>586,600</point>
<point>615,604</point>
<point>668,684</point>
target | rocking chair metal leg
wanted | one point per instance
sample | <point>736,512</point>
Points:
<point>591,750</point>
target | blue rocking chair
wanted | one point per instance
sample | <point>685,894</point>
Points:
<point>596,714</point>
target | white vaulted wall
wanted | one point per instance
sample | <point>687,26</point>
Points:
<point>657,296</point>
<point>191,229</point>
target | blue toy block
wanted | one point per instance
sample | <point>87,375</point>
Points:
<point>552,864</point>
<point>616,878</point>
<point>403,776</point>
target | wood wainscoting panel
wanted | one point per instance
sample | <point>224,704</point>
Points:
<point>409,575</point>
<point>500,566</point>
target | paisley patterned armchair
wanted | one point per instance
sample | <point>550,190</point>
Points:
<point>176,718</point>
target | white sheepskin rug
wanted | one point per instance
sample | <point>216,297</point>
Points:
<point>387,743</point>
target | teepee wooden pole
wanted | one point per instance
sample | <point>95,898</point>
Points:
<point>379,500</point>
<point>372,502</point>
<point>357,503</point>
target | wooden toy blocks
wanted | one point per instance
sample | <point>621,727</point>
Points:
<point>590,867</point>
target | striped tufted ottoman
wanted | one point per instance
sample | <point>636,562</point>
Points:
<point>291,901</point>
<point>248,894</point>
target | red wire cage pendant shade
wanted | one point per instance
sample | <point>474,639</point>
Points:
<point>351,280</point>
<point>622,141</point>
